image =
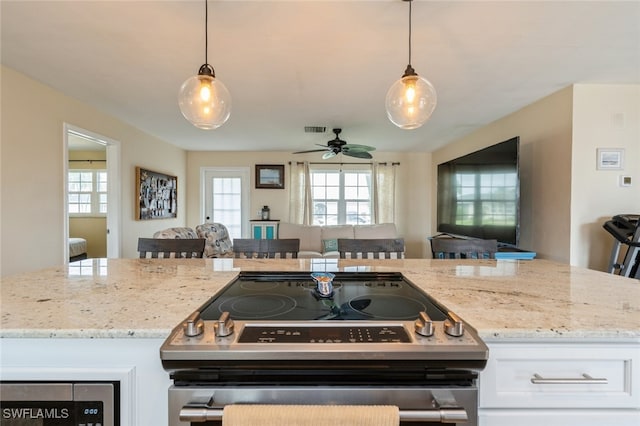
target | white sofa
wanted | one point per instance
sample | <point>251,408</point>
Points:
<point>321,241</point>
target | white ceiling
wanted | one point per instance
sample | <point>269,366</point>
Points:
<point>290,64</point>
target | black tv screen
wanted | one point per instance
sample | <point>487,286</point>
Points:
<point>479,194</point>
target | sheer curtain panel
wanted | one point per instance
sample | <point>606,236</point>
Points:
<point>384,192</point>
<point>300,205</point>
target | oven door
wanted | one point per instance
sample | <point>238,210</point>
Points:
<point>200,406</point>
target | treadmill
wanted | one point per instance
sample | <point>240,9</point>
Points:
<point>625,229</point>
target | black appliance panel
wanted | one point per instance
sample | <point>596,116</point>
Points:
<point>292,296</point>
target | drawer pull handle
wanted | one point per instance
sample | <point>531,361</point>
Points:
<point>584,380</point>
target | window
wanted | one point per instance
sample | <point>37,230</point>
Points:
<point>494,194</point>
<point>341,197</point>
<point>87,192</point>
<point>227,204</point>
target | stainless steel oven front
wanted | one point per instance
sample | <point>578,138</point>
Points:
<point>196,406</point>
<point>371,339</point>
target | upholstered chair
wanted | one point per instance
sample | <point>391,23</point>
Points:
<point>218,242</point>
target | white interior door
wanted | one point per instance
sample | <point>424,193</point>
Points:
<point>225,198</point>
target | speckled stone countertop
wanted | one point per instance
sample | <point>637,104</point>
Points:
<point>146,298</point>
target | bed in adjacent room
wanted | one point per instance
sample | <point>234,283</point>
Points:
<point>77,249</point>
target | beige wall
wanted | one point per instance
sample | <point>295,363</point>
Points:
<point>604,116</point>
<point>412,188</point>
<point>545,169</point>
<point>92,229</point>
<point>31,153</point>
<point>564,199</point>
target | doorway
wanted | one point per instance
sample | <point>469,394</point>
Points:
<point>225,198</point>
<point>91,193</point>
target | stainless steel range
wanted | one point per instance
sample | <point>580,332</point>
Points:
<point>360,339</point>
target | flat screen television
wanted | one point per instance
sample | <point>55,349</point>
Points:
<point>479,194</point>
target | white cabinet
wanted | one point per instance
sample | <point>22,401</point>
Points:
<point>134,363</point>
<point>561,384</point>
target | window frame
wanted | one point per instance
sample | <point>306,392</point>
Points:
<point>94,193</point>
<point>341,201</point>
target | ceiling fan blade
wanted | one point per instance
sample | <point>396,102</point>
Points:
<point>328,155</point>
<point>311,150</point>
<point>355,147</point>
<point>357,154</point>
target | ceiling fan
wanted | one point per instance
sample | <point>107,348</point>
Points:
<point>337,146</point>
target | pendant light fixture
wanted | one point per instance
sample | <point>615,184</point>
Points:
<point>204,100</point>
<point>411,100</point>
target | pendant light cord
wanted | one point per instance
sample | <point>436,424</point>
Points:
<point>410,2</point>
<point>206,30</point>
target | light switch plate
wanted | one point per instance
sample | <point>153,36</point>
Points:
<point>625,180</point>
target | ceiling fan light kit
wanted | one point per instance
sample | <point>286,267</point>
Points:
<point>411,100</point>
<point>204,101</point>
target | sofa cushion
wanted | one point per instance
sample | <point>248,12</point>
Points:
<point>337,231</point>
<point>309,235</point>
<point>383,230</point>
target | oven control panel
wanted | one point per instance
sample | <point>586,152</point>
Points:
<point>355,334</point>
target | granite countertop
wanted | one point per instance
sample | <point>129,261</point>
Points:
<point>146,298</point>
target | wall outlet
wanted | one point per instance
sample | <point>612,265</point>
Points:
<point>625,180</point>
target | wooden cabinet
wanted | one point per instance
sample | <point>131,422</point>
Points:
<point>264,229</point>
<point>561,384</point>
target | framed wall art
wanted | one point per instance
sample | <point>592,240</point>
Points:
<point>270,176</point>
<point>610,158</point>
<point>157,195</point>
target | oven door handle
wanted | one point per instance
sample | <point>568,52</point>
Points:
<point>442,415</point>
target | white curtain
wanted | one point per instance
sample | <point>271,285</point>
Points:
<point>300,205</point>
<point>383,197</point>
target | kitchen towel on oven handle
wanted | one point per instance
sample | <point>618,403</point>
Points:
<point>310,415</point>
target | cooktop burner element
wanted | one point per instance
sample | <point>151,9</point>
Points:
<point>272,317</point>
<point>285,297</point>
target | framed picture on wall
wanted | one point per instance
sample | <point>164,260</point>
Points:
<point>157,195</point>
<point>610,158</point>
<point>270,176</point>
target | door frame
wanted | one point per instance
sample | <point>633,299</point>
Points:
<point>114,216</point>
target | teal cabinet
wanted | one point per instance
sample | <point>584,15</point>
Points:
<point>264,229</point>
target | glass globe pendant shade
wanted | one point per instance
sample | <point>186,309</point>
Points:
<point>204,100</point>
<point>410,101</point>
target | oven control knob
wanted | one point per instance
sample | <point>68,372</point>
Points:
<point>224,326</point>
<point>453,325</point>
<point>193,326</point>
<point>424,325</point>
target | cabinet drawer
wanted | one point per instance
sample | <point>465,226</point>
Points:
<point>560,376</point>
<point>556,417</point>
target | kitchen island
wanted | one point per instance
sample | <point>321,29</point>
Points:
<point>106,319</point>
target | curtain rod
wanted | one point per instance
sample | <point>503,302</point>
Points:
<point>90,161</point>
<point>342,164</point>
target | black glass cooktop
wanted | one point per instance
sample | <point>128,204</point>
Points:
<point>292,296</point>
